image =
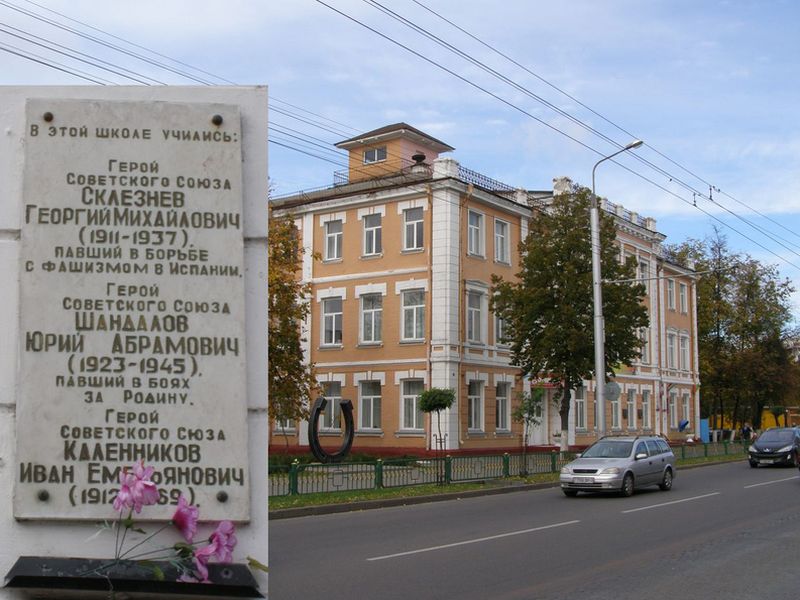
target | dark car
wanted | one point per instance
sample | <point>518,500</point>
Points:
<point>776,446</point>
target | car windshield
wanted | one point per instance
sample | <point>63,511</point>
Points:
<point>776,436</point>
<point>608,449</point>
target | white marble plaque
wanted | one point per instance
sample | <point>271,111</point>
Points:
<point>132,316</point>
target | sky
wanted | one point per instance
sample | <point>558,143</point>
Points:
<point>711,87</point>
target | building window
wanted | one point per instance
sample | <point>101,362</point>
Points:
<point>631,409</point>
<point>475,405</point>
<point>284,425</point>
<point>684,353</point>
<point>413,315</point>
<point>616,414</point>
<point>501,407</point>
<point>644,275</point>
<point>580,409</point>
<point>673,410</point>
<point>371,318</point>
<point>373,155</point>
<point>670,350</point>
<point>331,417</point>
<point>501,242</point>
<point>412,415</point>
<point>370,404</point>
<point>475,233</point>
<point>670,294</point>
<point>646,409</point>
<point>686,407</point>
<point>331,321</point>
<point>500,331</point>
<point>372,235</point>
<point>333,240</point>
<point>412,240</point>
<point>474,317</point>
<point>684,302</point>
<point>644,336</point>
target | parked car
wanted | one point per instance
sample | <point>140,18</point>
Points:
<point>620,464</point>
<point>776,446</point>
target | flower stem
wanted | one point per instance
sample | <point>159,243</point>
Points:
<point>149,537</point>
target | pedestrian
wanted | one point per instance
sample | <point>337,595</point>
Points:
<point>747,432</point>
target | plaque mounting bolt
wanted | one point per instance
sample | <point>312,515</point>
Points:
<point>48,116</point>
<point>43,495</point>
<point>222,496</point>
<point>217,120</point>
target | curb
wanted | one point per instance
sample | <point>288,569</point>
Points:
<point>327,509</point>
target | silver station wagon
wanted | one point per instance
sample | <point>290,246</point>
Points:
<point>620,464</point>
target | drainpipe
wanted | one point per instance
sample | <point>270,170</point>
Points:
<point>429,316</point>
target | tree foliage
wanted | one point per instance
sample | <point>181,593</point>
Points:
<point>291,380</point>
<point>436,400</point>
<point>742,321</point>
<point>548,309</point>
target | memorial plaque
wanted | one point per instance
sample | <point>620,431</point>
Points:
<point>132,317</point>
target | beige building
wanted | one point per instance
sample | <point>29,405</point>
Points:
<point>408,242</point>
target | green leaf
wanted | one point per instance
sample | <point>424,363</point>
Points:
<point>254,564</point>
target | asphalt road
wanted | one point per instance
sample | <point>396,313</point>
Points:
<point>724,531</point>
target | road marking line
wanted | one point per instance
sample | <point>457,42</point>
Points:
<point>475,541</point>
<point>773,481</point>
<point>668,503</point>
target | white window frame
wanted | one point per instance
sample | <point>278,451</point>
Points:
<point>687,404</point>
<point>373,235</point>
<point>502,419</point>
<point>644,274</point>
<point>580,408</point>
<point>409,399</point>
<point>645,347</point>
<point>502,242</point>
<point>413,230</point>
<point>374,155</point>
<point>475,233</point>
<point>631,409</point>
<point>335,318</point>
<point>375,317</point>
<point>646,409</point>
<point>333,240</point>
<point>671,350</point>
<point>367,404</point>
<point>673,409</point>
<point>671,294</point>
<point>331,416</point>
<point>475,410</point>
<point>499,332</point>
<point>683,297</point>
<point>683,352</point>
<point>415,312</point>
<point>616,414</point>
<point>474,314</point>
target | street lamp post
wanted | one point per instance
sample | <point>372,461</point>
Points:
<point>597,280</point>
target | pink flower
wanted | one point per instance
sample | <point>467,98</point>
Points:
<point>144,491</point>
<point>224,541</point>
<point>185,518</point>
<point>124,497</point>
<point>200,574</point>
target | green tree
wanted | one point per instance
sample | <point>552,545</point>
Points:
<point>436,400</point>
<point>548,308</point>
<point>290,377</point>
<point>527,411</point>
<point>742,318</point>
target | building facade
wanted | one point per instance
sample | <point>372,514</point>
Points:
<point>406,245</point>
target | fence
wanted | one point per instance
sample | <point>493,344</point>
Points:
<point>391,473</point>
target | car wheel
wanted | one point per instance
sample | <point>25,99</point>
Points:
<point>627,485</point>
<point>666,481</point>
<point>570,493</point>
<point>753,464</point>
